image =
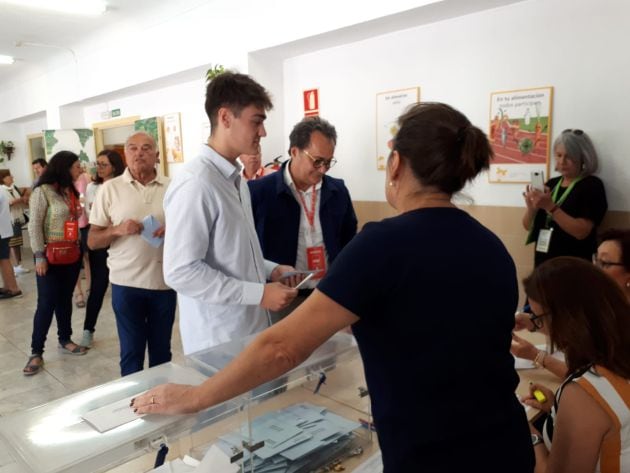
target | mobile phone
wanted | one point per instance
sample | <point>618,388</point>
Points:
<point>538,180</point>
<point>304,280</point>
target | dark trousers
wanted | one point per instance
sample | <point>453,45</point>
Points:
<point>99,273</point>
<point>144,318</point>
<point>54,296</point>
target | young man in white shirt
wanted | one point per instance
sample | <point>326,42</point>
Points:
<point>212,257</point>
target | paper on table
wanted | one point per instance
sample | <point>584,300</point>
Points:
<point>215,461</point>
<point>111,416</point>
<point>150,225</point>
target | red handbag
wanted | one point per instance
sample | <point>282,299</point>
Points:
<point>63,252</point>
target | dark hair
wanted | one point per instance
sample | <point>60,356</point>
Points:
<point>4,173</point>
<point>623,238</point>
<point>115,160</point>
<point>587,312</point>
<point>234,91</point>
<point>442,147</point>
<point>300,136</point>
<point>41,161</point>
<point>57,172</point>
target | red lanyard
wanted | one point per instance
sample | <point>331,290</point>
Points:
<point>72,206</point>
<point>310,216</point>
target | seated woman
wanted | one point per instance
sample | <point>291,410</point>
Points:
<point>585,314</point>
<point>613,257</point>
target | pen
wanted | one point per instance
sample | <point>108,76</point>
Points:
<point>304,280</point>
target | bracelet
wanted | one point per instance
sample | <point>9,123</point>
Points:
<point>553,209</point>
<point>539,361</point>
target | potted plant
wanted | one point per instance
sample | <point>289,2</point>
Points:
<point>7,148</point>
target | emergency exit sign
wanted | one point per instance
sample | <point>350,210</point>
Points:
<point>115,112</point>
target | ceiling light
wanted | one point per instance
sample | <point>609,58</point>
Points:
<point>6,59</point>
<point>78,7</point>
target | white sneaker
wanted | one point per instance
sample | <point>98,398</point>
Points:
<point>20,270</point>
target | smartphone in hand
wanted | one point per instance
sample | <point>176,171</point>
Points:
<point>538,180</point>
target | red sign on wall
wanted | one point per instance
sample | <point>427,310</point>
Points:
<point>311,103</point>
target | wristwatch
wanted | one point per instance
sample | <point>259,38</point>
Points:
<point>536,439</point>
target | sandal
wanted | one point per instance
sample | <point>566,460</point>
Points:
<point>66,349</point>
<point>80,301</point>
<point>31,367</point>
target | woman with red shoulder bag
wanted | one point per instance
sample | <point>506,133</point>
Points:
<point>54,234</point>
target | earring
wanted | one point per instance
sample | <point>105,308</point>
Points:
<point>628,284</point>
<point>391,184</point>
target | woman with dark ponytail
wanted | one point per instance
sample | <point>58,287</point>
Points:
<point>430,295</point>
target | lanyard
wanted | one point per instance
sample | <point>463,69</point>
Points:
<point>72,205</point>
<point>563,197</point>
<point>310,216</point>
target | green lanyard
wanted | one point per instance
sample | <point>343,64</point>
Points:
<point>565,194</point>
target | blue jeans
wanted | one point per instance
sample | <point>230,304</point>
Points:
<point>144,318</point>
<point>54,296</point>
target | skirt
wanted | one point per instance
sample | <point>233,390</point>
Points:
<point>17,239</point>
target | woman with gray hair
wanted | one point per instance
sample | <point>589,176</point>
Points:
<point>563,218</point>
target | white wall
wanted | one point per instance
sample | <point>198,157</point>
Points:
<point>186,98</point>
<point>20,164</point>
<point>573,45</point>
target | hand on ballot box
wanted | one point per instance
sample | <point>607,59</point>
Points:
<point>167,399</point>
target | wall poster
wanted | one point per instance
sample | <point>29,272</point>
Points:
<point>173,138</point>
<point>520,128</point>
<point>389,106</point>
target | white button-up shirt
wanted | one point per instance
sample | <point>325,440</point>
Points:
<point>212,256</point>
<point>307,236</point>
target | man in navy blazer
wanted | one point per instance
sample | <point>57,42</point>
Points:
<point>303,217</point>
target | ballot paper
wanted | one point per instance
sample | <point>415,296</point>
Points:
<point>215,461</point>
<point>112,415</point>
<point>293,437</point>
<point>150,224</point>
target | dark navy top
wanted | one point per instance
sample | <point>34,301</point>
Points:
<point>436,292</point>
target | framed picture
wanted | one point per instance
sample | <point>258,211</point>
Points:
<point>389,106</point>
<point>520,130</point>
<point>173,138</point>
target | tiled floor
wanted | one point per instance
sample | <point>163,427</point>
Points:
<point>62,374</point>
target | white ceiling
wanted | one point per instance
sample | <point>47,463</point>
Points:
<point>58,34</point>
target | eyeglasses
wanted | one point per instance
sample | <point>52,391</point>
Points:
<point>319,162</point>
<point>603,264</point>
<point>575,131</point>
<point>103,165</point>
<point>535,319</point>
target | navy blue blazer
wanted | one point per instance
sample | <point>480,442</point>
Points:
<point>277,217</point>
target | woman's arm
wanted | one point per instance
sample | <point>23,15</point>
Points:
<point>580,427</point>
<point>578,228</point>
<point>272,353</point>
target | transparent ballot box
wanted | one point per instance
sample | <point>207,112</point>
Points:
<point>314,418</point>
<point>55,437</point>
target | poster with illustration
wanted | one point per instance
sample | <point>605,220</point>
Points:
<point>389,106</point>
<point>173,138</point>
<point>520,131</point>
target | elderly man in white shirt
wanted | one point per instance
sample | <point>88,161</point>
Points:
<point>212,257</point>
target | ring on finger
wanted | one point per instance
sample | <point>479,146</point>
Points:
<point>152,399</point>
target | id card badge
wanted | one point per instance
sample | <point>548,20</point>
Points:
<point>316,259</point>
<point>71,230</point>
<point>544,240</point>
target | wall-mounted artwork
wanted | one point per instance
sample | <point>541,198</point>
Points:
<point>78,140</point>
<point>389,106</point>
<point>173,138</point>
<point>153,126</point>
<point>520,129</point>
